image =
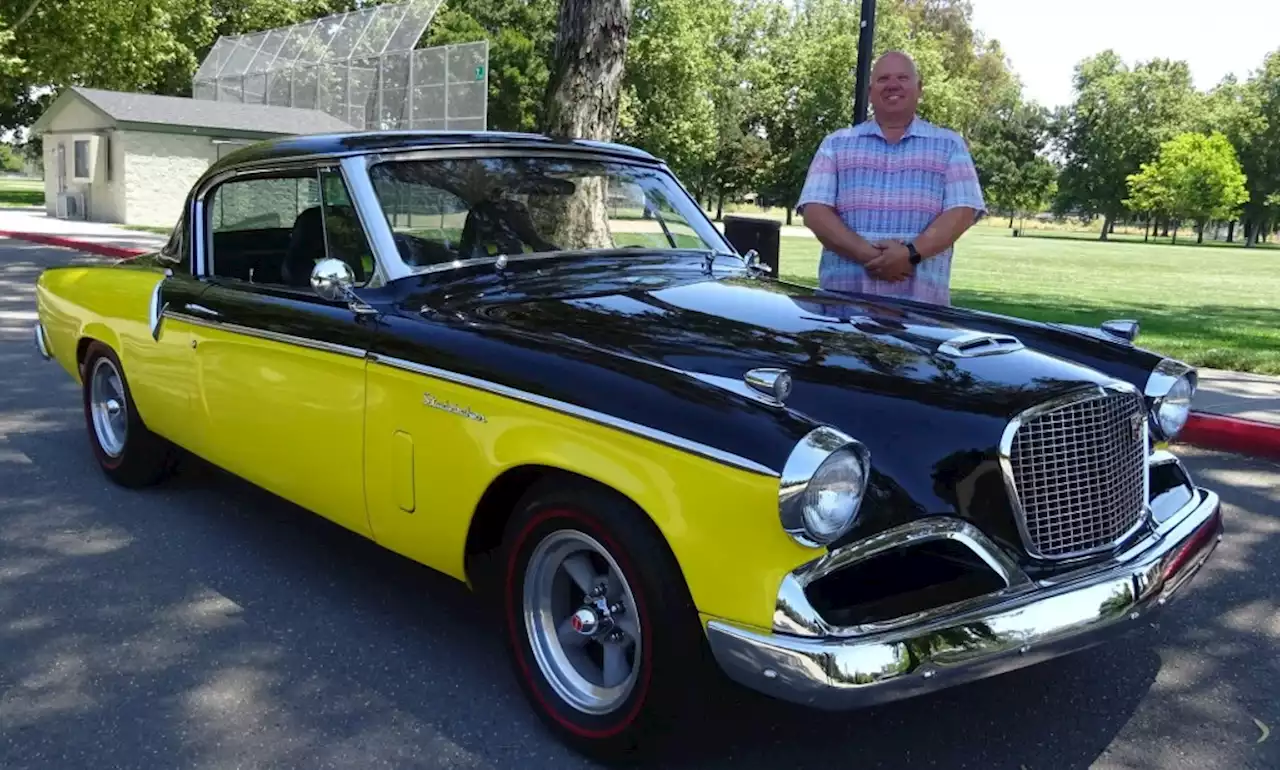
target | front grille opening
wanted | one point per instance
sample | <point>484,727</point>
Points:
<point>900,582</point>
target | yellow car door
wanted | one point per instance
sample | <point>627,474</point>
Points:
<point>280,370</point>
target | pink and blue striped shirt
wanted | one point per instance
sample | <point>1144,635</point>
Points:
<point>885,190</point>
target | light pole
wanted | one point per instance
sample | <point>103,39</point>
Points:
<point>866,37</point>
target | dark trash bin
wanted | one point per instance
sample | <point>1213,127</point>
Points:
<point>763,235</point>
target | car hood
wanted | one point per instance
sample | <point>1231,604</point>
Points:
<point>891,353</point>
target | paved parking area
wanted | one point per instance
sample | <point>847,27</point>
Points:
<point>206,624</point>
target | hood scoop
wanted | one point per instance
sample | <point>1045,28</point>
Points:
<point>974,344</point>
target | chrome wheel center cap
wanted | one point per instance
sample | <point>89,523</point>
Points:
<point>585,621</point>
<point>113,407</point>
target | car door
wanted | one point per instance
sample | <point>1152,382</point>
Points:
<point>280,371</point>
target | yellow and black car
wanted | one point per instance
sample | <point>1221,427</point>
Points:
<point>536,366</point>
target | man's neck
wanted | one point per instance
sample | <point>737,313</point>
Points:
<point>894,128</point>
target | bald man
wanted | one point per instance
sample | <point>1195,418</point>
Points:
<point>889,197</point>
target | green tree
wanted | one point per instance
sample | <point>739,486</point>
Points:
<point>673,69</point>
<point>1117,122</point>
<point>1195,176</point>
<point>520,34</point>
<point>1008,145</point>
<point>1258,142</point>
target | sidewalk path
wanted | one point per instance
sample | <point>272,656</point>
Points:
<point>33,224</point>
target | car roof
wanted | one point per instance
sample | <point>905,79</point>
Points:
<point>373,142</point>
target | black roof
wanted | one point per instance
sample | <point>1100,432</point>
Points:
<point>372,142</point>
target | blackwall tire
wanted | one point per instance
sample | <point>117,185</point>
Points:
<point>128,453</point>
<point>566,526</point>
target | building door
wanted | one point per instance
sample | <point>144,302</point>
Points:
<point>62,167</point>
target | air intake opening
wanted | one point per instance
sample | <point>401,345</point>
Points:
<point>901,582</point>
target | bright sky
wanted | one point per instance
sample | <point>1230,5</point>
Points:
<point>1045,40</point>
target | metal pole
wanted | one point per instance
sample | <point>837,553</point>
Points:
<point>866,38</point>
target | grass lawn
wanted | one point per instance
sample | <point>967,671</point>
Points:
<point>16,191</point>
<point>1209,306</point>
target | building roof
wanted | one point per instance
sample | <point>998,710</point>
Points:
<point>196,116</point>
<point>374,142</point>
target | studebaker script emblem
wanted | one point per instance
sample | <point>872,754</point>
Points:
<point>445,406</point>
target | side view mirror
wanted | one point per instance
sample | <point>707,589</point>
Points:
<point>332,279</point>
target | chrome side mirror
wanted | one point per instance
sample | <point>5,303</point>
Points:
<point>1124,329</point>
<point>332,279</point>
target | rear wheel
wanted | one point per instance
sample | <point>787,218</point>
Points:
<point>129,453</point>
<point>605,637</point>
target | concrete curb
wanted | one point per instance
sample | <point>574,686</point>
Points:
<point>1232,434</point>
<point>102,249</point>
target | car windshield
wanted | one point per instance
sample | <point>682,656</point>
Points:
<point>442,211</point>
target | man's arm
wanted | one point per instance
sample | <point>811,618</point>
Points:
<point>833,233</point>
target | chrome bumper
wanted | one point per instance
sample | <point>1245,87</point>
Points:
<point>1015,630</point>
<point>42,344</point>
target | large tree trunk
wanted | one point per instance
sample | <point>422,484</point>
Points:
<point>1231,231</point>
<point>1200,232</point>
<point>1107,223</point>
<point>582,103</point>
<point>1250,233</point>
<point>720,207</point>
<point>790,211</point>
<point>1010,220</point>
<point>587,68</point>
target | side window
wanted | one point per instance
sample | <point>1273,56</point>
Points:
<point>273,229</point>
<point>427,220</point>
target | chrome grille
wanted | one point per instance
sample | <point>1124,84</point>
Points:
<point>1079,473</point>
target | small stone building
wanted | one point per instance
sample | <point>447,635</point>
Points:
<point>131,158</point>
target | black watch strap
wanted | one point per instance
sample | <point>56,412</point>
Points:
<point>915,255</point>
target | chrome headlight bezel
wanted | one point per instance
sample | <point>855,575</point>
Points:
<point>820,446</point>
<point>1167,376</point>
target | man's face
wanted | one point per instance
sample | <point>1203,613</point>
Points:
<point>895,90</point>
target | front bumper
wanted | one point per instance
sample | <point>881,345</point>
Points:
<point>1016,628</point>
<point>42,344</point>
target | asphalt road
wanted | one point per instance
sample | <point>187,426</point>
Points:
<point>206,624</point>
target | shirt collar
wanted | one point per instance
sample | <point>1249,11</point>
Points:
<point>869,127</point>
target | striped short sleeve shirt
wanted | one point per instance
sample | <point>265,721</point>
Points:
<point>885,190</point>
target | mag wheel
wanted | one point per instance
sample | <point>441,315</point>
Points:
<point>126,450</point>
<point>605,639</point>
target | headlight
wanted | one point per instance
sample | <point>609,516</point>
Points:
<point>1174,408</point>
<point>1170,388</point>
<point>822,487</point>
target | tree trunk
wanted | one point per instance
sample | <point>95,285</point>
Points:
<point>1107,224</point>
<point>1146,230</point>
<point>720,207</point>
<point>1011,221</point>
<point>1165,234</point>
<point>1113,226</point>
<point>587,68</point>
<point>1250,233</point>
<point>1231,231</point>
<point>1200,232</point>
<point>582,103</point>
<point>790,211</point>
<point>1175,233</point>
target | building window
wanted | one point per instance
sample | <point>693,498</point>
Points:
<point>81,159</point>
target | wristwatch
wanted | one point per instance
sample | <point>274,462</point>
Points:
<point>911,249</point>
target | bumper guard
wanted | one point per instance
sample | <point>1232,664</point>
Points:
<point>1041,622</point>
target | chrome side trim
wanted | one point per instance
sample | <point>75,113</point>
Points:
<point>573,410</point>
<point>155,314</point>
<point>972,643</point>
<point>1164,375</point>
<point>773,383</point>
<point>42,345</point>
<point>794,614</point>
<point>265,334</point>
<point>1011,486</point>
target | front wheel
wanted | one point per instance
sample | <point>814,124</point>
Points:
<point>605,637</point>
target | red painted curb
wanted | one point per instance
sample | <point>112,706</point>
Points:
<point>103,249</point>
<point>1232,434</point>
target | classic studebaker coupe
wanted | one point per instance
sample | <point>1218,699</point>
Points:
<point>536,366</point>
